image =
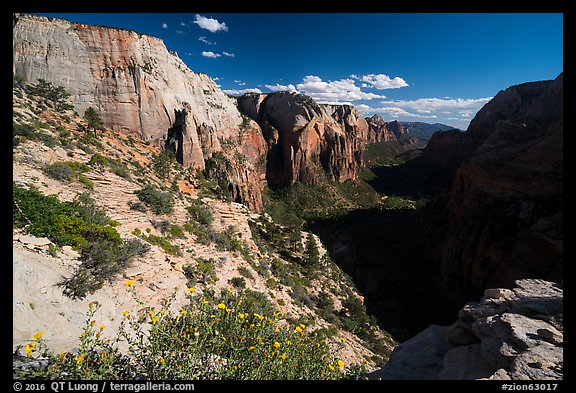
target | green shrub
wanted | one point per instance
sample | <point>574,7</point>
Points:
<point>176,232</point>
<point>227,239</point>
<point>245,272</point>
<point>160,202</point>
<point>231,337</point>
<point>160,241</point>
<point>237,282</point>
<point>138,206</point>
<point>205,270</point>
<point>200,213</point>
<point>79,224</point>
<point>66,170</point>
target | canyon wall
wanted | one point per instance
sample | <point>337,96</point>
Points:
<point>504,210</point>
<point>140,87</point>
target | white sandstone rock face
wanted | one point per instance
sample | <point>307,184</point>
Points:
<point>131,79</point>
<point>517,338</point>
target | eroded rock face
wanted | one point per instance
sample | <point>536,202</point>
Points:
<point>505,206</point>
<point>378,130</point>
<point>139,87</point>
<point>304,137</point>
<point>496,338</point>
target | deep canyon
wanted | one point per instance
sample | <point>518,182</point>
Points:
<point>482,208</point>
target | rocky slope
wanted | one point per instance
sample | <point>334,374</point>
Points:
<point>509,334</point>
<point>505,207</point>
<point>43,136</point>
<point>140,87</point>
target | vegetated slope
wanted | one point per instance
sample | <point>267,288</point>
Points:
<point>125,212</point>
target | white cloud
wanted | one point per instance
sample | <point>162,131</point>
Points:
<point>206,41</point>
<point>390,112</point>
<point>211,55</point>
<point>339,91</point>
<point>442,105</point>
<point>164,26</point>
<point>234,92</point>
<point>210,24</point>
<point>240,83</point>
<point>179,32</point>
<point>279,87</point>
<point>381,81</point>
<point>217,79</point>
<point>183,24</point>
<point>228,54</point>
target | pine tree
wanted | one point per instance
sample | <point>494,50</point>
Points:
<point>94,120</point>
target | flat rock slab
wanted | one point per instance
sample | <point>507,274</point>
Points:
<point>33,240</point>
<point>465,362</point>
<point>525,330</point>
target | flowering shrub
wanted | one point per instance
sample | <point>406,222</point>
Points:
<point>223,338</point>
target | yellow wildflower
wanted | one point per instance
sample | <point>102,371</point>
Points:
<point>229,290</point>
<point>38,335</point>
<point>161,360</point>
<point>97,335</point>
<point>340,364</point>
<point>155,319</point>
<point>92,322</point>
<point>288,342</point>
<point>251,348</point>
<point>228,310</point>
<point>276,344</point>
<point>101,327</point>
<point>221,306</point>
<point>162,311</point>
<point>342,339</point>
<point>331,367</point>
<point>191,290</point>
<point>30,347</point>
<point>302,326</point>
<point>83,334</point>
<point>79,359</point>
<point>125,314</point>
<point>283,356</point>
<point>129,283</point>
<point>241,316</point>
<point>277,330</point>
<point>183,312</point>
<point>299,330</point>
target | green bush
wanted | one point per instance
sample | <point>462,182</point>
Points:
<point>66,170</point>
<point>205,270</point>
<point>160,202</point>
<point>82,225</point>
<point>158,241</point>
<point>227,239</point>
<point>138,206</point>
<point>176,232</point>
<point>200,213</point>
<point>233,337</point>
<point>25,131</point>
<point>245,272</point>
<point>238,282</point>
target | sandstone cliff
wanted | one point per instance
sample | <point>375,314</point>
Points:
<point>505,207</point>
<point>140,87</point>
<point>304,137</point>
<point>509,334</point>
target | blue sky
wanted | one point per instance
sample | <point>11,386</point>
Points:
<point>408,67</point>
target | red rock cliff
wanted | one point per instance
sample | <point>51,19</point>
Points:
<point>505,206</point>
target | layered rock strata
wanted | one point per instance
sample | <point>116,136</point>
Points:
<point>509,334</point>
